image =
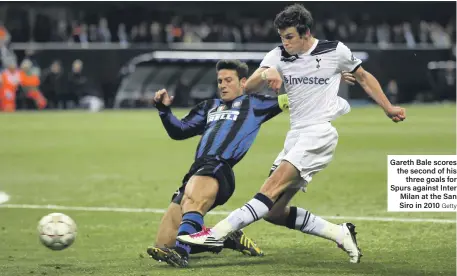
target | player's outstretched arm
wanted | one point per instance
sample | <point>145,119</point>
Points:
<point>261,76</point>
<point>372,87</point>
<point>255,81</point>
<point>191,125</point>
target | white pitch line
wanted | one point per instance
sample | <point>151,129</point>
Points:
<point>4,197</point>
<point>161,211</point>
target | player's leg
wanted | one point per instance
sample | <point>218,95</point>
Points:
<point>208,184</point>
<point>202,194</point>
<point>311,151</point>
<point>168,228</point>
<point>220,175</point>
<point>302,220</point>
<point>255,209</point>
<point>199,195</point>
<point>297,218</point>
<point>169,225</point>
<point>279,213</point>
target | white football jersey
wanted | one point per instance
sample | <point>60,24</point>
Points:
<point>312,80</point>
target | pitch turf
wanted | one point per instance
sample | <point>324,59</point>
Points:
<point>125,159</point>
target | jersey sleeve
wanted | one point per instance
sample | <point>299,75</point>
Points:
<point>346,59</point>
<point>272,59</point>
<point>191,125</point>
<point>265,107</point>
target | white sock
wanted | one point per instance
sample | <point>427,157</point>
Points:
<point>252,211</point>
<point>309,223</point>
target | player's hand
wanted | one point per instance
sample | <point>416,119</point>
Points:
<point>348,77</point>
<point>273,78</point>
<point>162,96</point>
<point>396,113</point>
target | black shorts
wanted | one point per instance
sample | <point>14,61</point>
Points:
<point>216,168</point>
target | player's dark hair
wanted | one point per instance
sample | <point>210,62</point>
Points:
<point>296,16</point>
<point>241,68</point>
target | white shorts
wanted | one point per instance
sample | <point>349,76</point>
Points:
<point>309,149</point>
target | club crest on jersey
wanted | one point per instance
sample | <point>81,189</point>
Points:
<point>237,104</point>
<point>221,108</point>
<point>318,65</point>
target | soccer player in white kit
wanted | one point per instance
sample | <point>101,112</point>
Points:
<point>311,72</point>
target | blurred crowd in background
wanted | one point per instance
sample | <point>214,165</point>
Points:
<point>178,29</point>
<point>70,23</point>
<point>130,25</point>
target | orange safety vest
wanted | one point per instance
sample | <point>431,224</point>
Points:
<point>10,81</point>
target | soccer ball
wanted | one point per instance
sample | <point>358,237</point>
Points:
<point>57,231</point>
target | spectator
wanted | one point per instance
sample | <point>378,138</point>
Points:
<point>75,31</point>
<point>203,30</point>
<point>61,33</point>
<point>247,32</point>
<point>174,31</point>
<point>30,82</point>
<point>4,35</point>
<point>352,29</point>
<point>236,34</point>
<point>93,33</point>
<point>370,34</point>
<point>134,34</point>
<point>83,35</point>
<point>190,35</point>
<point>424,32</point>
<point>391,91</point>
<point>438,36</point>
<point>450,29</point>
<point>30,55</point>
<point>122,35</point>
<point>383,34</point>
<point>143,33</point>
<point>77,84</point>
<point>53,84</point>
<point>398,34</point>
<point>409,36</point>
<point>103,32</point>
<point>5,52</point>
<point>156,32</point>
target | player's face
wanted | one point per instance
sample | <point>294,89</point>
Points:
<point>230,86</point>
<point>291,40</point>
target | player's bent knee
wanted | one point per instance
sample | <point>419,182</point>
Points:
<point>201,187</point>
<point>197,203</point>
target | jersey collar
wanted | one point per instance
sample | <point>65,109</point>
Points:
<point>312,48</point>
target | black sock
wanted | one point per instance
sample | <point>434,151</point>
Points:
<point>192,222</point>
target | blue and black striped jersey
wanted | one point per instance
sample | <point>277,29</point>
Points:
<point>228,129</point>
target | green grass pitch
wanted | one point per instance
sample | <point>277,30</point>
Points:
<point>125,159</point>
